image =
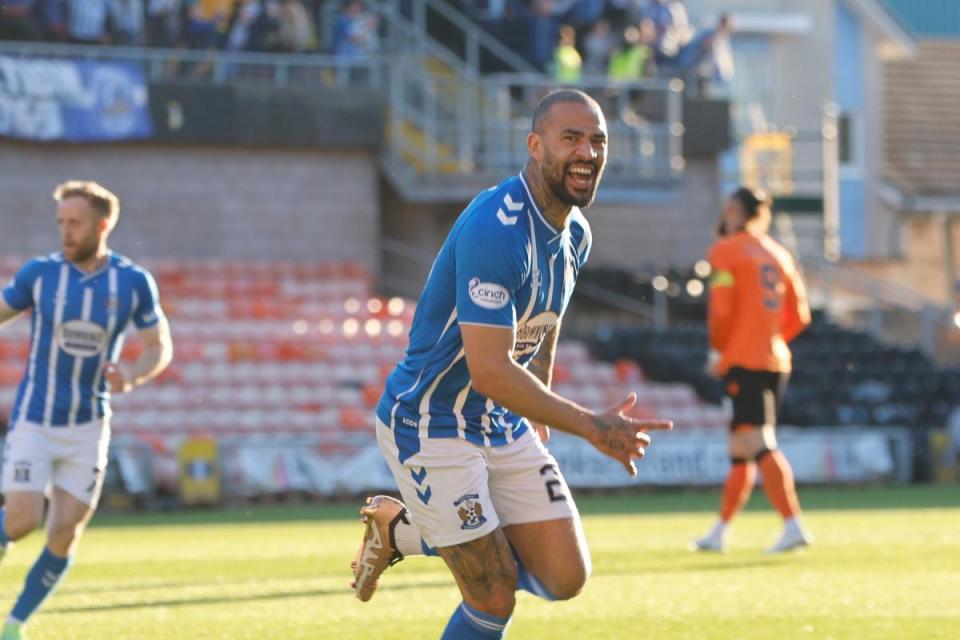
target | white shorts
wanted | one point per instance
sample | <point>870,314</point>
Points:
<point>72,458</point>
<point>457,491</point>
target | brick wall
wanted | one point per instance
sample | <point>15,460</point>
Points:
<point>195,202</point>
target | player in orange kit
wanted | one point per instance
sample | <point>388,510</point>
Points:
<point>757,305</point>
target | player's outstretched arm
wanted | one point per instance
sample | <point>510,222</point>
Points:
<point>496,375</point>
<point>7,313</point>
<point>157,355</point>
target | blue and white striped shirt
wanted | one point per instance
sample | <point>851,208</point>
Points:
<point>502,265</point>
<point>78,321</point>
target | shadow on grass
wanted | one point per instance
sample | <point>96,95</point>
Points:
<point>642,500</point>
<point>225,599</point>
<point>839,498</point>
<point>697,564</point>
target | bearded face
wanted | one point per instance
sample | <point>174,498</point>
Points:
<point>573,153</point>
<point>80,229</point>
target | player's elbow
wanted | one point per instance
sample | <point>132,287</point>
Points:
<point>488,375</point>
<point>485,381</point>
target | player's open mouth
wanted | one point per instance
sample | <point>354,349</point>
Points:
<point>581,176</point>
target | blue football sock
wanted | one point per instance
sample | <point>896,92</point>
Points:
<point>467,623</point>
<point>45,574</point>
<point>529,582</point>
<point>4,538</point>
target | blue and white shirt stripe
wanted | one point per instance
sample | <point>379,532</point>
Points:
<point>78,322</point>
<point>502,265</point>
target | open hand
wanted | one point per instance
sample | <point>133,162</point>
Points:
<point>117,377</point>
<point>623,438</point>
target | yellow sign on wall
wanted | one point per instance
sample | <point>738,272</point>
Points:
<point>199,472</point>
<point>766,161</point>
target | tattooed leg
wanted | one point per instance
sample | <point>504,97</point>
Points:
<point>486,573</point>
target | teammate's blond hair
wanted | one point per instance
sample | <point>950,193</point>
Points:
<point>99,197</point>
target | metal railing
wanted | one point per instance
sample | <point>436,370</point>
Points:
<point>221,67</point>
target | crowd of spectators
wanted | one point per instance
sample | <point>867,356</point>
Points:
<point>233,25</point>
<point>621,40</point>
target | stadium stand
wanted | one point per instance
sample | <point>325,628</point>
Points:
<point>657,36</point>
<point>275,350</point>
<point>841,377</point>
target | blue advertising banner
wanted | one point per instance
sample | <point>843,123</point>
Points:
<point>73,101</point>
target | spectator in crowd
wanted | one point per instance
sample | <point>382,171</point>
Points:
<point>543,26</point>
<point>296,32</point>
<point>241,23</point>
<point>51,17</point>
<point>567,63</point>
<point>206,22</point>
<point>17,22</point>
<point>355,32</point>
<point>88,21</point>
<point>707,55</point>
<point>584,13</point>
<point>597,46</point>
<point>163,22</point>
<point>632,60</point>
<point>623,13</point>
<point>126,20</point>
<point>672,26</point>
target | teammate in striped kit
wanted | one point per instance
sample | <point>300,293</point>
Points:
<point>455,421</point>
<point>81,301</point>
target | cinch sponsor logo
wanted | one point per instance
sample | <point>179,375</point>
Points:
<point>81,338</point>
<point>487,294</point>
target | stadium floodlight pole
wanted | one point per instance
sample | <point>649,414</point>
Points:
<point>831,182</point>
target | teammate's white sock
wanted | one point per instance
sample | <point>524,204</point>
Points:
<point>719,529</point>
<point>793,524</point>
<point>407,537</point>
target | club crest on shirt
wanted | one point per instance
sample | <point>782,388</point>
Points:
<point>470,511</point>
<point>81,338</point>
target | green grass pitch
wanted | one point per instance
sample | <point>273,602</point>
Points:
<point>886,565</point>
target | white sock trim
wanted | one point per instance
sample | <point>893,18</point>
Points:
<point>407,537</point>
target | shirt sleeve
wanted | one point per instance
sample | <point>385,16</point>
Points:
<point>584,244</point>
<point>720,304</point>
<point>18,294</point>
<point>147,313</point>
<point>492,261</point>
<point>796,311</point>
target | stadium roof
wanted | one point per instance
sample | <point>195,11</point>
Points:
<point>929,18</point>
<point>922,128</point>
<point>899,39</point>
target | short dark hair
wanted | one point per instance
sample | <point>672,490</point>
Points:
<point>559,96</point>
<point>752,200</point>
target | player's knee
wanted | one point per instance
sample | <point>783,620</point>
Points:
<point>61,538</point>
<point>17,528</point>
<point>499,602</point>
<point>21,522</point>
<point>570,582</point>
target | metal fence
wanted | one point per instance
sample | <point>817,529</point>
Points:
<point>220,67</point>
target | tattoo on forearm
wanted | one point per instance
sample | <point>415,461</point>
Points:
<point>610,435</point>
<point>482,565</point>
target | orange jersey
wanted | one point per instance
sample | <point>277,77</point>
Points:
<point>757,302</point>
